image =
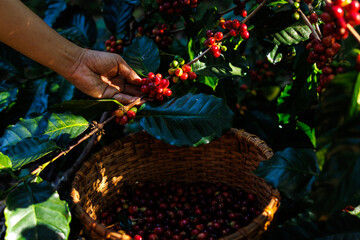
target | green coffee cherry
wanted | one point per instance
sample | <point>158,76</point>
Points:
<point>181,61</point>
<point>223,48</point>
<point>174,64</point>
<point>134,109</point>
<point>296,5</point>
<point>296,16</point>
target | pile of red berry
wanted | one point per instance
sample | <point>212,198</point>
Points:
<point>176,6</point>
<point>156,86</point>
<point>235,28</point>
<point>240,8</point>
<point>114,45</point>
<point>124,118</point>
<point>179,70</point>
<point>162,35</point>
<point>179,210</point>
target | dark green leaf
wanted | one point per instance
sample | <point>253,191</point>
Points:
<point>5,161</point>
<point>196,29</point>
<point>60,90</point>
<point>34,211</point>
<point>231,63</point>
<point>29,150</point>
<point>293,34</point>
<point>305,226</point>
<point>117,14</point>
<point>300,95</point>
<point>86,108</point>
<point>10,60</point>
<point>60,127</point>
<point>292,171</point>
<point>142,55</point>
<point>310,132</point>
<point>55,8</point>
<point>186,120</point>
<point>77,26</point>
<point>338,103</point>
<point>133,2</point>
<point>339,184</point>
<point>209,81</point>
<point>40,101</point>
<point>8,94</point>
<point>274,56</point>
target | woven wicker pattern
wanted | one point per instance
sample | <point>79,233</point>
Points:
<point>140,157</point>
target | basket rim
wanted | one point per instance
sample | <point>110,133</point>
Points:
<point>259,223</point>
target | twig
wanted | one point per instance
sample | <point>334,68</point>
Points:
<point>227,11</point>
<point>177,30</point>
<point>255,11</point>
<point>228,34</point>
<point>306,20</point>
<point>353,32</point>
<point>70,172</point>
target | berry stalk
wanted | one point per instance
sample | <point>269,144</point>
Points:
<point>353,32</point>
<point>306,20</point>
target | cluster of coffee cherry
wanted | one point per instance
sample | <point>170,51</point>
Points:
<point>177,210</point>
<point>124,118</point>
<point>235,28</point>
<point>214,42</point>
<point>114,45</point>
<point>162,35</point>
<point>176,6</point>
<point>156,86</point>
<point>336,16</point>
<point>262,71</point>
<point>240,8</point>
<point>179,70</point>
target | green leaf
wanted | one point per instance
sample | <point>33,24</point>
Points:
<point>274,56</point>
<point>55,7</point>
<point>338,103</point>
<point>60,90</point>
<point>142,55</point>
<point>11,60</point>
<point>40,101</point>
<point>293,34</point>
<point>29,150</point>
<point>5,161</point>
<point>34,211</point>
<point>310,132</point>
<point>8,94</point>
<point>338,185</point>
<point>186,120</point>
<point>230,64</point>
<point>305,226</point>
<point>88,109</point>
<point>292,171</point>
<point>209,81</point>
<point>60,127</point>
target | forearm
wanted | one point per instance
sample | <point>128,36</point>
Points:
<point>24,31</point>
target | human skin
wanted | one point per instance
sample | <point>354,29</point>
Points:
<point>95,73</point>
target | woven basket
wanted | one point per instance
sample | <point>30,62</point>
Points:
<point>140,157</point>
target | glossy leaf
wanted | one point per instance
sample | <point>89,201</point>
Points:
<point>29,150</point>
<point>5,161</point>
<point>231,63</point>
<point>60,90</point>
<point>87,108</point>
<point>133,2</point>
<point>292,171</point>
<point>310,132</point>
<point>186,120</point>
<point>8,94</point>
<point>305,226</point>
<point>60,127</point>
<point>339,102</point>
<point>116,15</point>
<point>300,95</point>
<point>142,55</point>
<point>77,26</point>
<point>39,103</point>
<point>55,8</point>
<point>338,184</point>
<point>209,81</point>
<point>293,34</point>
<point>35,211</point>
<point>274,56</point>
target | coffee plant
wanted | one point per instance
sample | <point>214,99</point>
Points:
<point>285,70</point>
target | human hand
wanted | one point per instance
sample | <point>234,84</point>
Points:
<point>105,75</point>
